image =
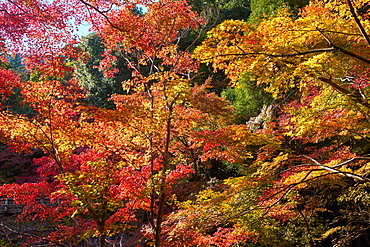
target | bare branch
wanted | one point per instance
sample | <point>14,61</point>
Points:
<point>333,170</point>
<point>200,33</point>
<point>350,160</point>
<point>285,190</point>
<point>344,91</point>
<point>325,37</point>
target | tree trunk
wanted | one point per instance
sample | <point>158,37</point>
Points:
<point>162,192</point>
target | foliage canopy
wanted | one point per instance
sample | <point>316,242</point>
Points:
<point>136,151</point>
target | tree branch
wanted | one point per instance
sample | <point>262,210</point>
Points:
<point>333,170</point>
<point>326,49</point>
<point>7,237</point>
<point>102,13</point>
<point>326,31</point>
<point>19,7</point>
<point>285,191</point>
<point>32,235</point>
<point>344,91</point>
<point>358,22</point>
<point>332,48</point>
<point>350,160</point>
<point>351,54</point>
<point>277,55</point>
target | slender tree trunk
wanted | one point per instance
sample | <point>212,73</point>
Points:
<point>162,192</point>
<point>151,151</point>
<point>102,240</point>
<point>308,229</point>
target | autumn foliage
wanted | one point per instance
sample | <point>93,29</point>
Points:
<point>168,165</point>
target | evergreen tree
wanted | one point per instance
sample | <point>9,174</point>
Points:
<point>248,98</point>
<point>264,8</point>
<point>235,9</point>
<point>91,77</point>
<point>18,67</point>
